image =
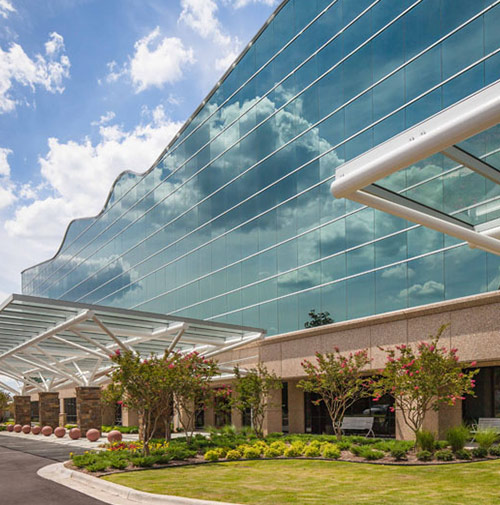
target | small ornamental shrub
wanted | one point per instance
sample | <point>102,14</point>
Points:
<point>293,451</point>
<point>119,464</point>
<point>260,446</point>
<point>479,452</point>
<point>251,453</point>
<point>233,455</point>
<point>399,454</point>
<point>486,437</point>
<point>180,453</point>
<point>163,459</point>
<point>279,446</point>
<point>330,451</point>
<point>98,466</point>
<point>311,451</point>
<point>83,460</point>
<point>425,440</point>
<point>372,454</point>
<point>495,450</point>
<point>211,456</point>
<point>269,452</point>
<point>144,461</point>
<point>441,444</point>
<point>457,437</point>
<point>463,454</point>
<point>424,456</point>
<point>444,455</point>
<point>357,450</point>
<point>344,445</point>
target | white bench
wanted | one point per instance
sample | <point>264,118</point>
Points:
<point>358,424</point>
<point>487,423</point>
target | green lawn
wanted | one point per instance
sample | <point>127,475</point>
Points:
<point>281,482</point>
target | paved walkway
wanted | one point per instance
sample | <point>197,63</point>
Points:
<point>20,484</point>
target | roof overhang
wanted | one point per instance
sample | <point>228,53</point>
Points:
<point>49,345</point>
<point>356,180</point>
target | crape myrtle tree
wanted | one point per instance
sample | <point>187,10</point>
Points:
<point>252,391</point>
<point>159,385</point>
<point>337,379</point>
<point>423,379</point>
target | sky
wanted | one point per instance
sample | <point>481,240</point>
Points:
<point>90,88</point>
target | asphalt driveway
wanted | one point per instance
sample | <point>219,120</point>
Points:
<point>19,482</point>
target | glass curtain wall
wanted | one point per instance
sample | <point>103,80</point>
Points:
<point>236,222</point>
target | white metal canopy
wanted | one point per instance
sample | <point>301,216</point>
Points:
<point>358,179</point>
<point>49,345</point>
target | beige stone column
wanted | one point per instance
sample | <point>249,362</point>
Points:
<point>48,409</point>
<point>130,417</point>
<point>88,408</point>
<point>273,418</point>
<point>296,409</point>
<point>209,416</point>
<point>22,409</point>
<point>438,422</point>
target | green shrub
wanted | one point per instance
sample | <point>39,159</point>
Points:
<point>260,446</point>
<point>357,450</point>
<point>144,461</point>
<point>163,459</point>
<point>233,455</point>
<point>271,453</point>
<point>251,453</point>
<point>399,454</point>
<point>211,456</point>
<point>441,444</point>
<point>330,451</point>
<point>495,450</point>
<point>118,464</point>
<point>180,453</point>
<point>426,440</point>
<point>444,455</point>
<point>293,451</point>
<point>98,466</point>
<point>463,454</point>
<point>83,460</point>
<point>457,437</point>
<point>311,451</point>
<point>344,445</point>
<point>479,452</point>
<point>424,456</point>
<point>486,437</point>
<point>279,446</point>
<point>372,454</point>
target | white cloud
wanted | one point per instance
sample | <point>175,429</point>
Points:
<point>47,71</point>
<point>200,16</point>
<point>105,118</point>
<point>238,4</point>
<point>222,64</point>
<point>6,8</point>
<point>157,61</point>
<point>7,196</point>
<point>79,176</point>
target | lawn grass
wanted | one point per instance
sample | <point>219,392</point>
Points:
<point>280,482</point>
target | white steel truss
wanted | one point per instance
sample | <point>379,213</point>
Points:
<point>356,180</point>
<point>49,345</point>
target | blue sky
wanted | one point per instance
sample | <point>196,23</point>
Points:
<point>89,88</point>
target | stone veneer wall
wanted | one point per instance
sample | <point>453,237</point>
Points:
<point>88,408</point>
<point>22,409</point>
<point>48,409</point>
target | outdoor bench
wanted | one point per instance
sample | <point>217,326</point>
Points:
<point>358,424</point>
<point>487,423</point>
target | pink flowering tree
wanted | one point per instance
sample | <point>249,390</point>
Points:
<point>192,388</point>
<point>338,380</point>
<point>423,379</point>
<point>252,391</point>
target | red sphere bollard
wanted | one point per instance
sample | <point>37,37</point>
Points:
<point>36,430</point>
<point>114,436</point>
<point>26,429</point>
<point>59,432</point>
<point>18,428</point>
<point>93,435</point>
<point>47,431</point>
<point>75,433</point>
<point>10,427</point>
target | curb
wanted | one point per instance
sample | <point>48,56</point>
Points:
<point>111,493</point>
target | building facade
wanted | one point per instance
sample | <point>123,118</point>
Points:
<point>235,222</point>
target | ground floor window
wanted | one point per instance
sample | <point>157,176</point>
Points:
<point>486,402</point>
<point>70,410</point>
<point>317,419</point>
<point>246,418</point>
<point>118,414</point>
<point>284,408</point>
<point>222,412</point>
<point>34,412</point>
